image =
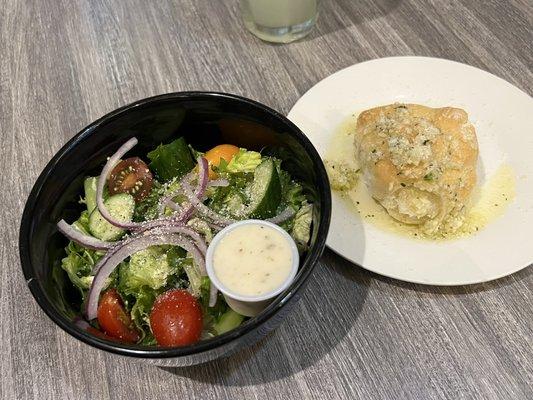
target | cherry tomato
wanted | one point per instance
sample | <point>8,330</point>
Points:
<point>223,151</point>
<point>176,318</point>
<point>113,318</point>
<point>131,176</point>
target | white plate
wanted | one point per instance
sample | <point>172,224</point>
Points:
<point>503,117</point>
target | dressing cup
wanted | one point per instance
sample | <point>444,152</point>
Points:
<point>248,305</point>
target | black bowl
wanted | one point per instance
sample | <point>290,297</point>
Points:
<point>204,119</point>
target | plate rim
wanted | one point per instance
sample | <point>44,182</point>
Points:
<point>439,59</point>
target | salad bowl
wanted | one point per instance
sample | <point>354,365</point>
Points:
<point>204,119</point>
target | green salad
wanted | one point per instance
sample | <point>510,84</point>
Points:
<point>137,251</point>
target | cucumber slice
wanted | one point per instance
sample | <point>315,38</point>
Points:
<point>120,206</point>
<point>228,321</point>
<point>89,185</point>
<point>265,192</point>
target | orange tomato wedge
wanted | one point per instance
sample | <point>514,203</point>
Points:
<point>221,152</point>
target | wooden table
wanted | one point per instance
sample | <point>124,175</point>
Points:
<point>354,334</point>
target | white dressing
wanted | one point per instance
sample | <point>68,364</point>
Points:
<point>253,260</point>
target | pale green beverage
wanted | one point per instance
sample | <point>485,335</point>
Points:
<point>280,21</point>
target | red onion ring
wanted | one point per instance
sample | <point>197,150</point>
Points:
<point>213,292</point>
<point>215,227</point>
<point>81,323</point>
<point>182,230</point>
<point>186,210</point>
<point>111,162</point>
<point>166,201</point>
<point>283,216</point>
<point>203,209</point>
<point>84,240</point>
<point>218,183</point>
<point>203,176</point>
<point>108,264</point>
<point>199,242</point>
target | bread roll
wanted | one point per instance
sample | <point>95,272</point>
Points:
<point>418,162</point>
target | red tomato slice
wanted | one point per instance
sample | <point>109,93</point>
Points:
<point>132,176</point>
<point>176,319</point>
<point>113,318</point>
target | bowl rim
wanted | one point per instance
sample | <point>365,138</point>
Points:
<point>137,351</point>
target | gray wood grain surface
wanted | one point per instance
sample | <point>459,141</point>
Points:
<point>64,63</point>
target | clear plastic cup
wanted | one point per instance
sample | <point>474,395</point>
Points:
<point>279,21</point>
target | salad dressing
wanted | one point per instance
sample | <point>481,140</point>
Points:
<point>252,260</point>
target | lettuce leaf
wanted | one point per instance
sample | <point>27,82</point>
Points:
<point>291,192</point>
<point>244,161</point>
<point>80,261</point>
<point>147,208</point>
<point>78,265</point>
<point>146,268</point>
<point>171,160</point>
<point>82,223</point>
<point>140,312</point>
<point>228,200</point>
<point>301,230</point>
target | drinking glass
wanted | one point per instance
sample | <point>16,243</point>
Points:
<point>279,21</point>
